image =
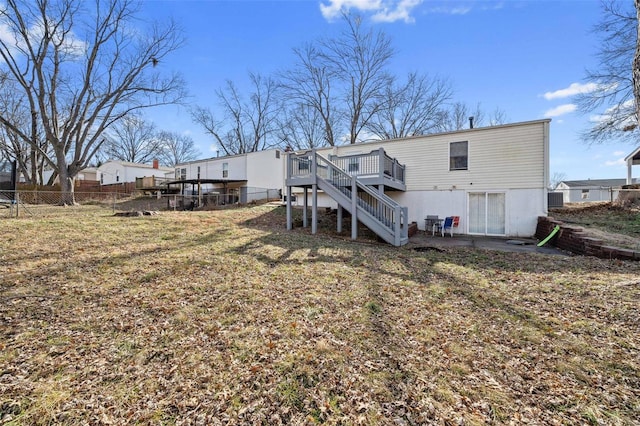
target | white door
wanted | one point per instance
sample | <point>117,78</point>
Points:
<point>487,213</point>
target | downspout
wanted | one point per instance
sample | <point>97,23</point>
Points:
<point>545,148</point>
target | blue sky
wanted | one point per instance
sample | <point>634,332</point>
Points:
<point>523,57</point>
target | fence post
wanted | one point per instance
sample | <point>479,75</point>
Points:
<point>17,203</point>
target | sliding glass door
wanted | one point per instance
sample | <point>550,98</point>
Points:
<point>487,213</point>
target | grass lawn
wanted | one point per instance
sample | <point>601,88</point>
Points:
<point>224,317</point>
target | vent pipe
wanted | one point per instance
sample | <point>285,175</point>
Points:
<point>471,122</point>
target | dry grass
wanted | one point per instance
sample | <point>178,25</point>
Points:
<point>616,225</point>
<point>224,317</point>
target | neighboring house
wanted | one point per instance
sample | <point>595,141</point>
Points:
<point>117,172</point>
<point>494,178</point>
<point>577,191</point>
<point>632,159</point>
<point>238,175</point>
<point>88,174</point>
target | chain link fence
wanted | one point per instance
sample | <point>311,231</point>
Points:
<point>49,203</point>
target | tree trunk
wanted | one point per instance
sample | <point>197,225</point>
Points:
<point>636,65</point>
<point>67,179</point>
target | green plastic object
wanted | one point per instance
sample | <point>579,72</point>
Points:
<point>550,236</point>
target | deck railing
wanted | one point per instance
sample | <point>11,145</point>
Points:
<point>376,163</point>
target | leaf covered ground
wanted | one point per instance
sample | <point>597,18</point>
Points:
<point>224,317</point>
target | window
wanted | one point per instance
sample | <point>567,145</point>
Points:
<point>585,194</point>
<point>458,155</point>
<point>183,174</point>
<point>177,175</point>
<point>198,172</point>
<point>354,165</point>
<point>117,176</point>
<point>277,153</point>
<point>101,178</point>
<point>225,170</point>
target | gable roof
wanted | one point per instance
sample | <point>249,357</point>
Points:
<point>591,183</point>
<point>634,156</point>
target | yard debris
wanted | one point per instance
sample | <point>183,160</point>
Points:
<point>136,213</point>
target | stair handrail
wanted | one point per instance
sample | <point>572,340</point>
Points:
<point>400,212</point>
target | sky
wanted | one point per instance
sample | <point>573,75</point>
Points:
<point>526,58</point>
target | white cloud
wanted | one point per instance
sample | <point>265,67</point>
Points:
<point>572,90</point>
<point>402,12</point>
<point>618,162</point>
<point>560,110</point>
<point>619,153</point>
<point>459,10</point>
<point>381,10</point>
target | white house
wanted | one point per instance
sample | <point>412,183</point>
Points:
<point>578,191</point>
<point>241,175</point>
<point>494,178</point>
<point>114,172</point>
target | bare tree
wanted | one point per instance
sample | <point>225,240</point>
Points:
<point>636,64</point>
<point>413,108</point>
<point>132,139</point>
<point>612,83</point>
<point>556,179</point>
<point>27,146</point>
<point>309,85</point>
<point>359,59</point>
<point>76,88</point>
<point>176,148</point>
<point>301,127</point>
<point>457,117</point>
<point>248,124</point>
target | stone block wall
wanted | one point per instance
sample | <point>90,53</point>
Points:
<point>572,238</point>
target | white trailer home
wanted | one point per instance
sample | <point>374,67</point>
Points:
<point>494,178</point>
<point>243,177</point>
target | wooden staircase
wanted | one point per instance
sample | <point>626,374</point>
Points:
<point>354,190</point>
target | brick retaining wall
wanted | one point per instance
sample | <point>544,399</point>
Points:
<point>573,239</point>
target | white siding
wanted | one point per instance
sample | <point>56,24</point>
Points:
<point>510,156</point>
<point>261,169</point>
<point>266,170</point>
<point>212,168</point>
<point>522,207</point>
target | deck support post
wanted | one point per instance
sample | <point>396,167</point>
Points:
<point>304,211</point>
<point>339,219</point>
<point>289,221</point>
<point>354,208</point>
<point>314,209</point>
<point>396,227</point>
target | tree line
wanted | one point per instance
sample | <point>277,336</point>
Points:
<point>339,90</point>
<point>73,90</point>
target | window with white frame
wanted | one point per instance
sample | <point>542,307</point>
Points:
<point>459,155</point>
<point>225,170</point>
<point>585,194</point>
